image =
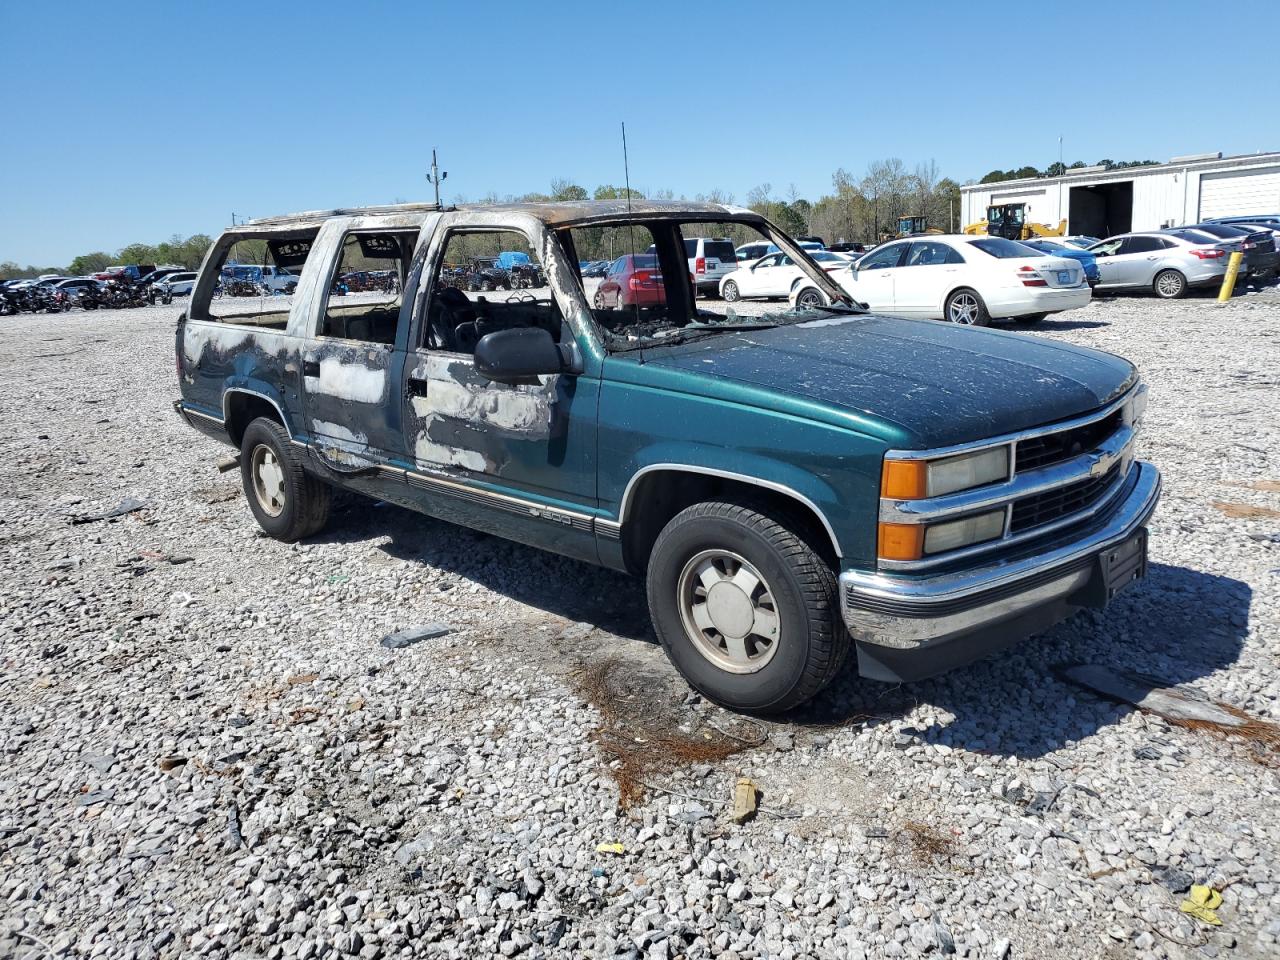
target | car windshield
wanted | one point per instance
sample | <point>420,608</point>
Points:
<point>1003,249</point>
<point>657,293</point>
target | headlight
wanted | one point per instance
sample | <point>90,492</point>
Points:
<point>916,479</point>
<point>1137,407</point>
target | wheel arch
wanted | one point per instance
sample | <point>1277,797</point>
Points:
<point>667,488</point>
<point>242,405</point>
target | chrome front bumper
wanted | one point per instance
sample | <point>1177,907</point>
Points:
<point>912,627</point>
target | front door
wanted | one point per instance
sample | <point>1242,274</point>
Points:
<point>1111,264</point>
<point>515,459</point>
<point>874,275</point>
<point>924,279</point>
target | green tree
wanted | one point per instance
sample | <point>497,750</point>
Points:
<point>608,191</point>
<point>90,263</point>
<point>562,189</point>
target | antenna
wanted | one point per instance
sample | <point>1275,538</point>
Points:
<point>435,176</point>
<point>631,226</point>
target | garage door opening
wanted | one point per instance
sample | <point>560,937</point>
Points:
<point>1102,210</point>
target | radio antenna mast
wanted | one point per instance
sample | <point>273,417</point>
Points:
<point>631,226</point>
<point>435,176</point>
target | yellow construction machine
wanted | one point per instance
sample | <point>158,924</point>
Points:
<point>1009,220</point>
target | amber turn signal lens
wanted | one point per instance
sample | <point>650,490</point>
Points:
<point>904,479</point>
<point>901,541</point>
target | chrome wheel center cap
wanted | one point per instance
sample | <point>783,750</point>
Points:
<point>731,610</point>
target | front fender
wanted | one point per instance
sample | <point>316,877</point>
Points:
<point>833,471</point>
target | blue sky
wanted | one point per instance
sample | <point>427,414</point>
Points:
<point>138,121</point>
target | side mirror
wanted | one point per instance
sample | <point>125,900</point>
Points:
<point>516,356</point>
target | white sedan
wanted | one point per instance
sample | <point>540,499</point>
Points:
<point>774,276</point>
<point>963,279</point>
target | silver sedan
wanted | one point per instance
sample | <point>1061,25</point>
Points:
<point>1167,263</point>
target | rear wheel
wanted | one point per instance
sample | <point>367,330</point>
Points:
<point>745,608</point>
<point>1170,285</point>
<point>966,307</point>
<point>287,502</point>
<point>731,294</point>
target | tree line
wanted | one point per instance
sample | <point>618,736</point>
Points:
<point>1058,169</point>
<point>177,250</point>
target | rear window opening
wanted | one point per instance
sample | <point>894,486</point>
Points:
<point>256,278</point>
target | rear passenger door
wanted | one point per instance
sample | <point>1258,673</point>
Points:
<point>353,362</point>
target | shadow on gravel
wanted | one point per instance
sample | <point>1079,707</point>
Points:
<point>1059,325</point>
<point>567,588</point>
<point>1179,625</point>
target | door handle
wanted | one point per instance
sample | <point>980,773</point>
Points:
<point>311,368</point>
<point>417,387</point>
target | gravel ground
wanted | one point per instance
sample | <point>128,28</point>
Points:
<point>207,752</point>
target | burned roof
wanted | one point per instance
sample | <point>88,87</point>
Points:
<point>552,213</point>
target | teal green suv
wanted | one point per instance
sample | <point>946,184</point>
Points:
<point>792,484</point>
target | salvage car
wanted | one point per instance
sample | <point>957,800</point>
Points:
<point>791,486</point>
<point>968,280</point>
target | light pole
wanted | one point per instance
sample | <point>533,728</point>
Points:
<point>435,176</point>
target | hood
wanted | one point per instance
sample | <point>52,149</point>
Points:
<point>940,383</point>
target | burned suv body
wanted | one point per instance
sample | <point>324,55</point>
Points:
<point>792,485</point>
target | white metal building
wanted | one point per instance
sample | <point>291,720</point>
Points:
<point>1100,203</point>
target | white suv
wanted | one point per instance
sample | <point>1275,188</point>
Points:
<point>710,260</point>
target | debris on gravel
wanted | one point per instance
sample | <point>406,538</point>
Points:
<point>219,758</point>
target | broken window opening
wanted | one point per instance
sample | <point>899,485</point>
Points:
<point>256,280</point>
<point>487,280</point>
<point>364,296</point>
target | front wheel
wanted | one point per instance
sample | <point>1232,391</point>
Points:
<point>810,299</point>
<point>731,294</point>
<point>1170,285</point>
<point>745,608</point>
<point>287,502</point>
<point>966,307</point>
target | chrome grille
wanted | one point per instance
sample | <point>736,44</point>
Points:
<point>1056,447</point>
<point>1043,508</point>
<point>1059,475</point>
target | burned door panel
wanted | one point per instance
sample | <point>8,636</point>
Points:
<point>350,399</point>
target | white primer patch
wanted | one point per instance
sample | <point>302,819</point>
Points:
<point>429,452</point>
<point>349,381</point>
<point>336,431</point>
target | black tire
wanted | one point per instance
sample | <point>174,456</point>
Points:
<point>811,643</point>
<point>966,302</point>
<point>810,298</point>
<point>731,292</point>
<point>1030,318</point>
<point>305,507</point>
<point>1169,285</point>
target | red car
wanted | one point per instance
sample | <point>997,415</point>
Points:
<point>633,279</point>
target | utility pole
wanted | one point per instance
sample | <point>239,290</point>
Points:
<point>1062,172</point>
<point>435,176</point>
